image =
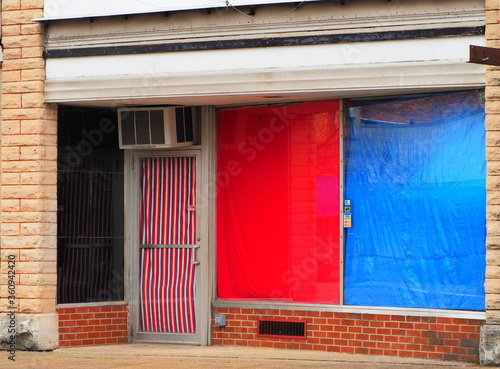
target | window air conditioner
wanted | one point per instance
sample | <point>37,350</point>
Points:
<point>157,127</point>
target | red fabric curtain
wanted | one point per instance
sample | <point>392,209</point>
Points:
<point>168,189</point>
<point>167,217</point>
<point>278,203</point>
<point>167,290</point>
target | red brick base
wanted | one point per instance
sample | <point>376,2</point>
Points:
<point>373,334</point>
<point>93,325</point>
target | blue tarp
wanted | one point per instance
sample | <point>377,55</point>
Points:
<point>416,178</point>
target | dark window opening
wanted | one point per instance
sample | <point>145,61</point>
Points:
<point>90,249</point>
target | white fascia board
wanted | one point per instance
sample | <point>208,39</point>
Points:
<point>67,9</point>
<point>248,75</point>
<point>362,53</point>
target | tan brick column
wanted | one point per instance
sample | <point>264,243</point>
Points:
<point>28,181</point>
<point>490,334</point>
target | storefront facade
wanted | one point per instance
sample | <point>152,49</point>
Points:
<point>324,186</point>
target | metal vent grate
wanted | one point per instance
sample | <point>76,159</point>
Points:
<point>282,328</point>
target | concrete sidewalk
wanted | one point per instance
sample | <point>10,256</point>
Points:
<point>205,357</point>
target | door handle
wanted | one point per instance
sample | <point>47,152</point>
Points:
<point>195,261</point>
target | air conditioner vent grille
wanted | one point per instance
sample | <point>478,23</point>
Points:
<point>188,128</point>
<point>142,127</point>
<point>127,128</point>
<point>157,127</point>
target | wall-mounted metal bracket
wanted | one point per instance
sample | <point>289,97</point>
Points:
<point>484,55</point>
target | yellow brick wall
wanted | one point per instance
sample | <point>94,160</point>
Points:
<point>28,169</point>
<point>492,284</point>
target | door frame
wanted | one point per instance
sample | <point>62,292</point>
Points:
<point>203,279</point>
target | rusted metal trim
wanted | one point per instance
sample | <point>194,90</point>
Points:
<point>484,55</point>
<point>265,42</point>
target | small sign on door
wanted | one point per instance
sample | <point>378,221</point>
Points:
<point>347,220</point>
<point>347,214</point>
<point>191,207</point>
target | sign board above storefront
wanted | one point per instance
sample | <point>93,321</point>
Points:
<point>66,9</point>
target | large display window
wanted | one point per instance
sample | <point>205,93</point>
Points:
<point>414,185</point>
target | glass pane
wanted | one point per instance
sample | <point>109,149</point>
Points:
<point>167,217</point>
<point>167,290</point>
<point>278,203</point>
<point>90,207</point>
<point>168,201</point>
<point>416,176</point>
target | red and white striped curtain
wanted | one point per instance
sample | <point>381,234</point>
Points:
<point>167,217</point>
<point>167,290</point>
<point>168,201</point>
